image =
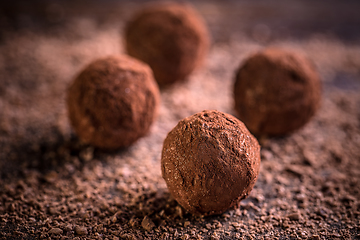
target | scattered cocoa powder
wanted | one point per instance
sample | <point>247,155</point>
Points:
<point>276,91</point>
<point>113,102</point>
<point>171,37</point>
<point>210,162</point>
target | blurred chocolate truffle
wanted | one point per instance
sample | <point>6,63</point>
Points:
<point>171,37</point>
<point>210,162</point>
<point>276,92</point>
<point>113,102</point>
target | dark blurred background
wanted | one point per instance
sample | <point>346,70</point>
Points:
<point>262,20</point>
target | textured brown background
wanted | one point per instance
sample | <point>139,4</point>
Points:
<point>53,186</point>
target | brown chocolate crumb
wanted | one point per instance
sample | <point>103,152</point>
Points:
<point>147,223</point>
<point>113,102</point>
<point>294,216</point>
<point>210,162</point>
<point>170,37</point>
<point>79,230</point>
<point>276,92</point>
<point>56,231</point>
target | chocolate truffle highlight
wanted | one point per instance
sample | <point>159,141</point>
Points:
<point>210,162</point>
<point>113,102</point>
<point>276,92</point>
<point>172,38</point>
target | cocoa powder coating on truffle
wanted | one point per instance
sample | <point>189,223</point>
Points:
<point>172,38</point>
<point>113,102</point>
<point>276,92</point>
<point>210,162</point>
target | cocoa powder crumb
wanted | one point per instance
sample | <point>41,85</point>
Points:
<point>147,224</point>
<point>56,231</point>
<point>80,230</point>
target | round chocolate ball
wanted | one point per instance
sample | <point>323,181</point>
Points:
<point>170,37</point>
<point>210,162</point>
<point>276,92</point>
<point>113,102</point>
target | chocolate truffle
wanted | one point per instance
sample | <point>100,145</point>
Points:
<point>276,92</point>
<point>210,162</point>
<point>113,102</point>
<point>170,37</point>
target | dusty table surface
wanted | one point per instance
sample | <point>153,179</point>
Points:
<point>53,186</point>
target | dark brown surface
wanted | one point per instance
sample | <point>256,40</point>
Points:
<point>113,102</point>
<point>276,91</point>
<point>172,38</point>
<point>53,186</point>
<point>210,162</point>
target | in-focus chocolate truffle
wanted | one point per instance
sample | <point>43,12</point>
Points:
<point>172,38</point>
<point>210,162</point>
<point>276,92</point>
<point>113,102</point>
